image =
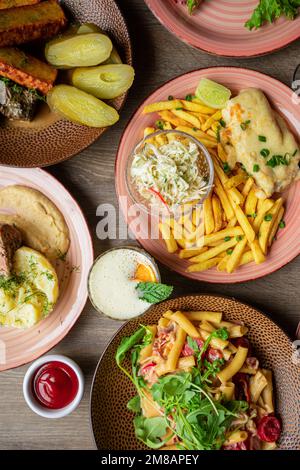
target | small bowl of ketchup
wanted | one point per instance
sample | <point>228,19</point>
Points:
<point>53,386</point>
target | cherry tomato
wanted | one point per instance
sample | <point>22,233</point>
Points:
<point>269,429</point>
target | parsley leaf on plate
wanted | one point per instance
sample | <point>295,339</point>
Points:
<point>268,11</point>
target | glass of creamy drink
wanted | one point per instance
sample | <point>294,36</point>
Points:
<point>113,279</point>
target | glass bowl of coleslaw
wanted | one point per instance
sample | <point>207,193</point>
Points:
<point>168,170</point>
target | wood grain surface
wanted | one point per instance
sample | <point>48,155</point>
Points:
<point>90,178</point>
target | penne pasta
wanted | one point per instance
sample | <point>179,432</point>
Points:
<point>234,366</point>
<point>256,385</point>
<point>174,354</point>
<point>185,324</point>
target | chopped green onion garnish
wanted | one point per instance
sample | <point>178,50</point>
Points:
<point>262,138</point>
<point>256,168</point>
<point>239,238</point>
<point>245,124</point>
<point>222,122</point>
<point>268,217</point>
<point>265,153</point>
<point>160,125</point>
<point>282,224</point>
<point>226,167</point>
<point>226,239</point>
<point>230,251</point>
<point>189,97</point>
<point>170,98</point>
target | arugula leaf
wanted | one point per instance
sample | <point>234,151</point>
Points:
<point>270,10</point>
<point>134,404</point>
<point>127,343</point>
<point>150,430</point>
<point>153,292</point>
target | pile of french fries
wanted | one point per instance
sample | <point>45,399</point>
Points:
<point>233,227</point>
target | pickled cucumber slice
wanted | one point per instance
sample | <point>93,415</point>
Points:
<point>86,28</point>
<point>80,107</point>
<point>104,81</point>
<point>212,94</point>
<point>79,50</point>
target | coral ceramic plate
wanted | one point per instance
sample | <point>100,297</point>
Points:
<point>218,27</point>
<point>115,431</point>
<point>287,245</point>
<point>48,139</point>
<point>18,347</point>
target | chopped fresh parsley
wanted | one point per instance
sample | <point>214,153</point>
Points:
<point>245,124</point>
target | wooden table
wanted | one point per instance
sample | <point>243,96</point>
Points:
<point>90,178</point>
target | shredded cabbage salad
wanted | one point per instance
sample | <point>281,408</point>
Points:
<point>168,173</point>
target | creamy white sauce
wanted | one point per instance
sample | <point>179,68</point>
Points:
<point>111,284</point>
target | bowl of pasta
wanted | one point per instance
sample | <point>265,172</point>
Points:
<point>199,372</point>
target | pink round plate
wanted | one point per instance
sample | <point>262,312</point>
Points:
<point>17,347</point>
<point>287,245</point>
<point>218,27</point>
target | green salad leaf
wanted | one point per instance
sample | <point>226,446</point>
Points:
<point>268,11</point>
<point>153,292</point>
<point>150,430</point>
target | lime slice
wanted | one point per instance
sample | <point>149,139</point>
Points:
<point>212,93</point>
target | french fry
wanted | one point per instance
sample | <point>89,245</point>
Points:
<point>148,131</point>
<point>267,225</point>
<point>215,127</point>
<point>185,244</point>
<point>236,196</point>
<point>162,106</point>
<point>223,263</point>
<point>215,117</point>
<point>217,212</point>
<point>187,117</point>
<point>235,181</point>
<point>167,126</point>
<point>248,185</point>
<point>247,257</point>
<point>169,117</point>
<point>221,153</point>
<point>275,226</point>
<point>222,234</point>
<point>265,207</point>
<point>258,255</point>
<point>161,139</point>
<point>207,140</point>
<point>220,192</point>
<point>214,252</point>
<point>209,222</point>
<point>203,266</point>
<point>197,216</point>
<point>234,258</point>
<point>232,222</point>
<point>220,173</point>
<point>260,204</point>
<point>244,222</point>
<point>251,203</point>
<point>196,107</point>
<point>211,133</point>
<point>190,252</point>
<point>168,237</point>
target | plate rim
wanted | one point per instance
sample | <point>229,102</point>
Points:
<point>83,302</point>
<point>101,130</point>
<point>197,45</point>
<point>117,159</point>
<point>202,294</point>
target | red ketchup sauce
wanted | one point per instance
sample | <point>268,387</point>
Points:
<point>55,385</point>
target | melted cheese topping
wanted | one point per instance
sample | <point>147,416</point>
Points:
<point>253,135</point>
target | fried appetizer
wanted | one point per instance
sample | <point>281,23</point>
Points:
<point>27,23</point>
<point>26,70</point>
<point>5,4</point>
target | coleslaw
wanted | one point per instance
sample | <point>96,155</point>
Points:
<point>169,173</point>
